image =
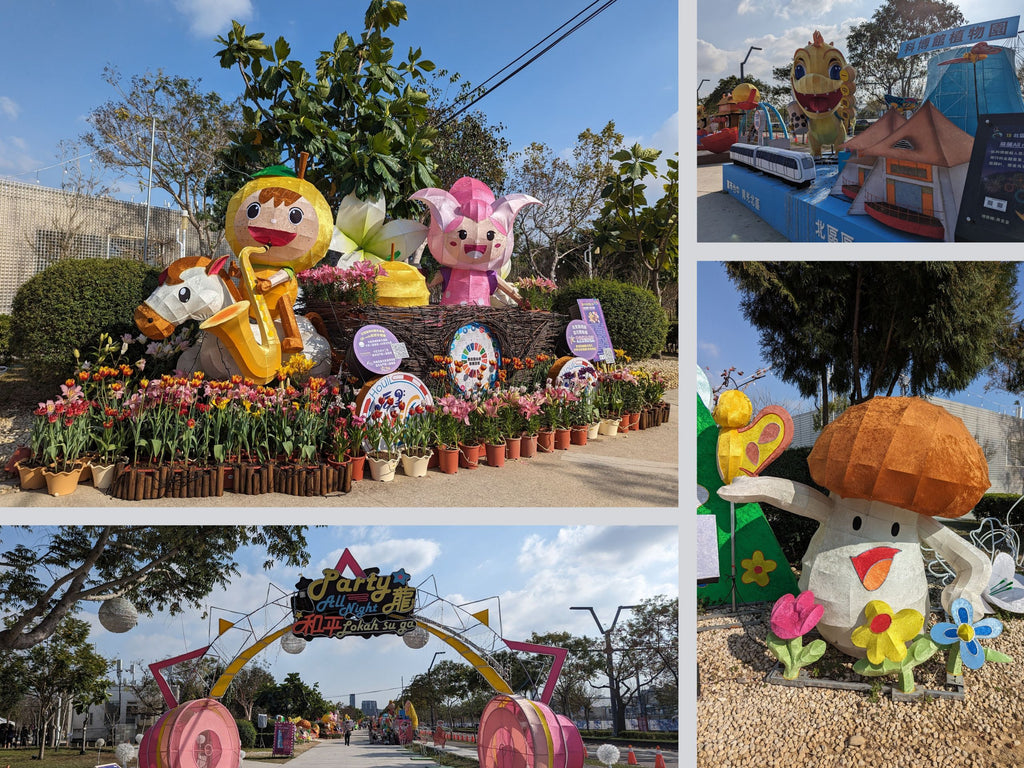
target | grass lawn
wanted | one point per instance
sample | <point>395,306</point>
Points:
<point>64,757</point>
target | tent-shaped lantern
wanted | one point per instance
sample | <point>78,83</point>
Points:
<point>917,180</point>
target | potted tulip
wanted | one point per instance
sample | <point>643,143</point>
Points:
<point>416,438</point>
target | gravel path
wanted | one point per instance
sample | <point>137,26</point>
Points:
<point>743,721</point>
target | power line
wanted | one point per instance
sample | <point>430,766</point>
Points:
<point>485,92</point>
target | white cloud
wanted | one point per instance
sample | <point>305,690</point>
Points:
<point>9,107</point>
<point>208,19</point>
<point>15,157</point>
<point>810,9</point>
<point>708,348</point>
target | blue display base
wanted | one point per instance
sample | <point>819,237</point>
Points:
<point>808,214</point>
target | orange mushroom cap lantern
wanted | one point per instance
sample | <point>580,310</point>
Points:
<point>903,451</point>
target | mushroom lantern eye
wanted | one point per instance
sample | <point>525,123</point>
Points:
<point>857,523</point>
<point>184,294</point>
<point>490,234</point>
<point>253,210</point>
<point>295,215</point>
<point>895,530</point>
<point>463,234</point>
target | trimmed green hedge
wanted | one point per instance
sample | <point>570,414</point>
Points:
<point>246,733</point>
<point>636,322</point>
<point>997,505</point>
<point>68,305</point>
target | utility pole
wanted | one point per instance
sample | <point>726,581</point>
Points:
<point>430,681</point>
<point>613,687</point>
<point>742,63</point>
<point>149,193</point>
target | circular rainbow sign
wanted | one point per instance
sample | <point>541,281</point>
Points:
<point>476,357</point>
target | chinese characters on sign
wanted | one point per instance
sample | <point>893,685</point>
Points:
<point>992,208</point>
<point>366,606</point>
<point>997,29</point>
<point>590,312</point>
<point>829,233</point>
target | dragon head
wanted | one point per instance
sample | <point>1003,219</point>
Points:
<point>821,78</point>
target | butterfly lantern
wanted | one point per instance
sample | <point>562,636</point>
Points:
<point>746,447</point>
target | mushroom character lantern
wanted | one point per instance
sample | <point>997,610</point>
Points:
<point>470,236</point>
<point>892,466</point>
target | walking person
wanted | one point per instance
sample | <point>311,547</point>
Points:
<point>348,730</point>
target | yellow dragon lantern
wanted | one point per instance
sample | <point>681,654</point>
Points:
<point>823,85</point>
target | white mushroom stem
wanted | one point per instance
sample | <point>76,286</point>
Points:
<point>972,566</point>
<point>793,497</point>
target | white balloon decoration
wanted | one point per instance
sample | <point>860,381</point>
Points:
<point>118,615</point>
<point>417,638</point>
<point>292,643</point>
<point>608,754</point>
<point>139,737</point>
<point>100,743</point>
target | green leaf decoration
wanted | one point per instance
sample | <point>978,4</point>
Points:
<point>811,653</point>
<point>997,657</point>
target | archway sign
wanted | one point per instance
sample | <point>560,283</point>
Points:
<point>366,604</point>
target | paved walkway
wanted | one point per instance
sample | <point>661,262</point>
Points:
<point>360,754</point>
<point>637,469</point>
<point>721,218</point>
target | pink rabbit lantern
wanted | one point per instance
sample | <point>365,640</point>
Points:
<point>470,235</point>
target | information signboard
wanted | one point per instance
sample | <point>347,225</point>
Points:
<point>591,313</point>
<point>378,350</point>
<point>969,34</point>
<point>581,340</point>
<point>992,207</point>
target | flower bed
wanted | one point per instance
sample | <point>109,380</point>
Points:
<point>188,437</point>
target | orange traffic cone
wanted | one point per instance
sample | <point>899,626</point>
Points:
<point>659,761</point>
<point>631,760</point>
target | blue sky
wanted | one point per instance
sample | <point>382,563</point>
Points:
<point>536,572</point>
<point>726,29</point>
<point>725,338</point>
<point>622,66</point>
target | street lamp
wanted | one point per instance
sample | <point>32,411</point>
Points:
<point>752,48</point>
<point>705,80</point>
<point>612,685</point>
<point>430,682</point>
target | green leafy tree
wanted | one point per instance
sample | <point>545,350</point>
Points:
<point>648,647</point>
<point>570,190</point>
<point>246,687</point>
<point>582,663</point>
<point>293,698</point>
<point>777,95</point>
<point>873,47</point>
<point>364,121</point>
<point>156,567</point>
<point>64,670</point>
<point>866,328</point>
<point>192,126</point>
<point>466,144</point>
<point>645,234</point>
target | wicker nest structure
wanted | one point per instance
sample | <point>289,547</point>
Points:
<point>429,330</point>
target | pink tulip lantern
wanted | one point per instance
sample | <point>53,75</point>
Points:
<point>791,619</point>
<point>470,236</point>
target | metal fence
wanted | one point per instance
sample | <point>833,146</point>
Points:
<point>43,225</point>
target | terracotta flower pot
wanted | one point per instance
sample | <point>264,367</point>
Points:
<point>563,438</point>
<point>448,459</point>
<point>513,447</point>
<point>435,459</point>
<point>528,446</point>
<point>469,455</point>
<point>545,441</point>
<point>358,465</point>
<point>578,435</point>
<point>495,454</point>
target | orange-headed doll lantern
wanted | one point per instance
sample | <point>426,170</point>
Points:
<point>290,221</point>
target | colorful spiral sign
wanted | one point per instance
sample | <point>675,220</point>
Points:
<point>476,358</point>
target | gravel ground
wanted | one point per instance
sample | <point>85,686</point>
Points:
<point>744,721</point>
<point>16,420</point>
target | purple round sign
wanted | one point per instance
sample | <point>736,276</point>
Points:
<point>581,339</point>
<point>377,349</point>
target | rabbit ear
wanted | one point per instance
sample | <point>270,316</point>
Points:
<point>441,203</point>
<point>505,208</point>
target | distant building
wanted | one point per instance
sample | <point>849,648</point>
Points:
<point>43,225</point>
<point>1000,435</point>
<point>369,708</point>
<point>352,700</point>
<point>116,721</point>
